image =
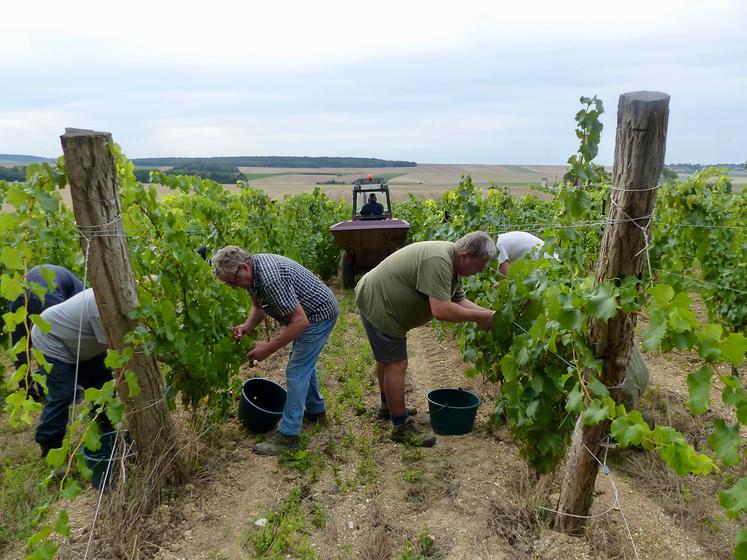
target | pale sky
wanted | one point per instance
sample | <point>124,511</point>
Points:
<point>428,81</point>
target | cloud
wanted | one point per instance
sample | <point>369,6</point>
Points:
<point>475,82</point>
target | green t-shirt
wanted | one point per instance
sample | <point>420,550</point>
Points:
<point>394,295</point>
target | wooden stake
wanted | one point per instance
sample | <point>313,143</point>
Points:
<point>91,171</point>
<point>640,143</point>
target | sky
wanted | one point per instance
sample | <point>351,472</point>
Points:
<point>489,82</point>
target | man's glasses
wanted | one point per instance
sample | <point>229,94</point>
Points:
<point>236,276</point>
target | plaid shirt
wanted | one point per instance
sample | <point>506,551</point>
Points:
<point>279,284</point>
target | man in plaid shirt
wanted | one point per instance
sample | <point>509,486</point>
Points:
<point>307,309</point>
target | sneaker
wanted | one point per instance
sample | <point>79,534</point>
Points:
<point>277,444</point>
<point>318,418</point>
<point>410,433</point>
<point>383,413</point>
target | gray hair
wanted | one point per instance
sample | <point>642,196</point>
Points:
<point>476,244</point>
<point>226,261</point>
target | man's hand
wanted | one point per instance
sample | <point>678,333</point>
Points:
<point>260,351</point>
<point>240,330</point>
<point>485,322</point>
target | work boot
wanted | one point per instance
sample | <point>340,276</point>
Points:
<point>47,446</point>
<point>410,433</point>
<point>318,418</point>
<point>383,413</point>
<point>648,418</point>
<point>277,444</point>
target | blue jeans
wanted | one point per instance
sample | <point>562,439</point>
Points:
<point>61,392</point>
<point>303,382</point>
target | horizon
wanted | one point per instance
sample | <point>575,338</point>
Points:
<point>704,164</point>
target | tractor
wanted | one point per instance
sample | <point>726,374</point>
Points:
<point>372,233</point>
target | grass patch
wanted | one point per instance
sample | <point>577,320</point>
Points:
<point>22,496</point>
<point>308,462</point>
<point>422,548</point>
<point>284,533</point>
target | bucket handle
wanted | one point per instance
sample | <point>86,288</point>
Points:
<point>443,405</point>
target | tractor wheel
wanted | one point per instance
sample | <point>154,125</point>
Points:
<point>348,273</point>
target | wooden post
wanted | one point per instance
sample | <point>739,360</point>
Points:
<point>91,172</point>
<point>640,143</point>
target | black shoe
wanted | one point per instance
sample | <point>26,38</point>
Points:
<point>48,446</point>
<point>318,418</point>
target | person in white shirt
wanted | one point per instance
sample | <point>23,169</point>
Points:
<point>514,245</point>
<point>77,337</point>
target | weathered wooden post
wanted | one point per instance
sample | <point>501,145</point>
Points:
<point>640,143</point>
<point>91,171</point>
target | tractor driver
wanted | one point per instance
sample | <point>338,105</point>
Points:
<point>372,207</point>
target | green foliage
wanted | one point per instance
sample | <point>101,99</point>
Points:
<point>284,533</point>
<point>22,498</point>
<point>538,347</point>
<point>185,315</point>
<point>582,172</point>
<point>303,226</point>
<point>696,245</point>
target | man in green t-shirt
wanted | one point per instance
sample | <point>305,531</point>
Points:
<point>410,287</point>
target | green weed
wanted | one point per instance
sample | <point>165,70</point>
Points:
<point>284,534</point>
<point>425,548</point>
<point>22,496</point>
<point>318,517</point>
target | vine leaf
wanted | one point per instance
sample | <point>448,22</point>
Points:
<point>71,489</point>
<point>662,293</point>
<point>709,347</point>
<point>656,330</point>
<point>734,347</point>
<point>724,440</point>
<point>92,438</point>
<point>62,526</point>
<point>10,288</point>
<point>596,412</point>
<point>734,500</point>
<point>740,545</point>
<point>630,429</point>
<point>699,389</point>
<point>685,460</point>
<point>602,305</point>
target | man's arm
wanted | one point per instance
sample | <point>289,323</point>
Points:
<point>503,269</point>
<point>297,323</point>
<point>256,315</point>
<point>467,304</point>
<point>461,312</point>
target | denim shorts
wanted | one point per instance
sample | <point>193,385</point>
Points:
<point>386,348</point>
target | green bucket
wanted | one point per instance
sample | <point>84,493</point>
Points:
<point>452,411</point>
<point>105,461</point>
<point>261,405</point>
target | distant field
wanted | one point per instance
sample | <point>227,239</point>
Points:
<point>424,181</point>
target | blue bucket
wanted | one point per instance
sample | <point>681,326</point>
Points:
<point>103,462</point>
<point>261,405</point>
<point>452,411</point>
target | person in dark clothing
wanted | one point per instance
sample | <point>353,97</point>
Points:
<point>66,285</point>
<point>372,207</point>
